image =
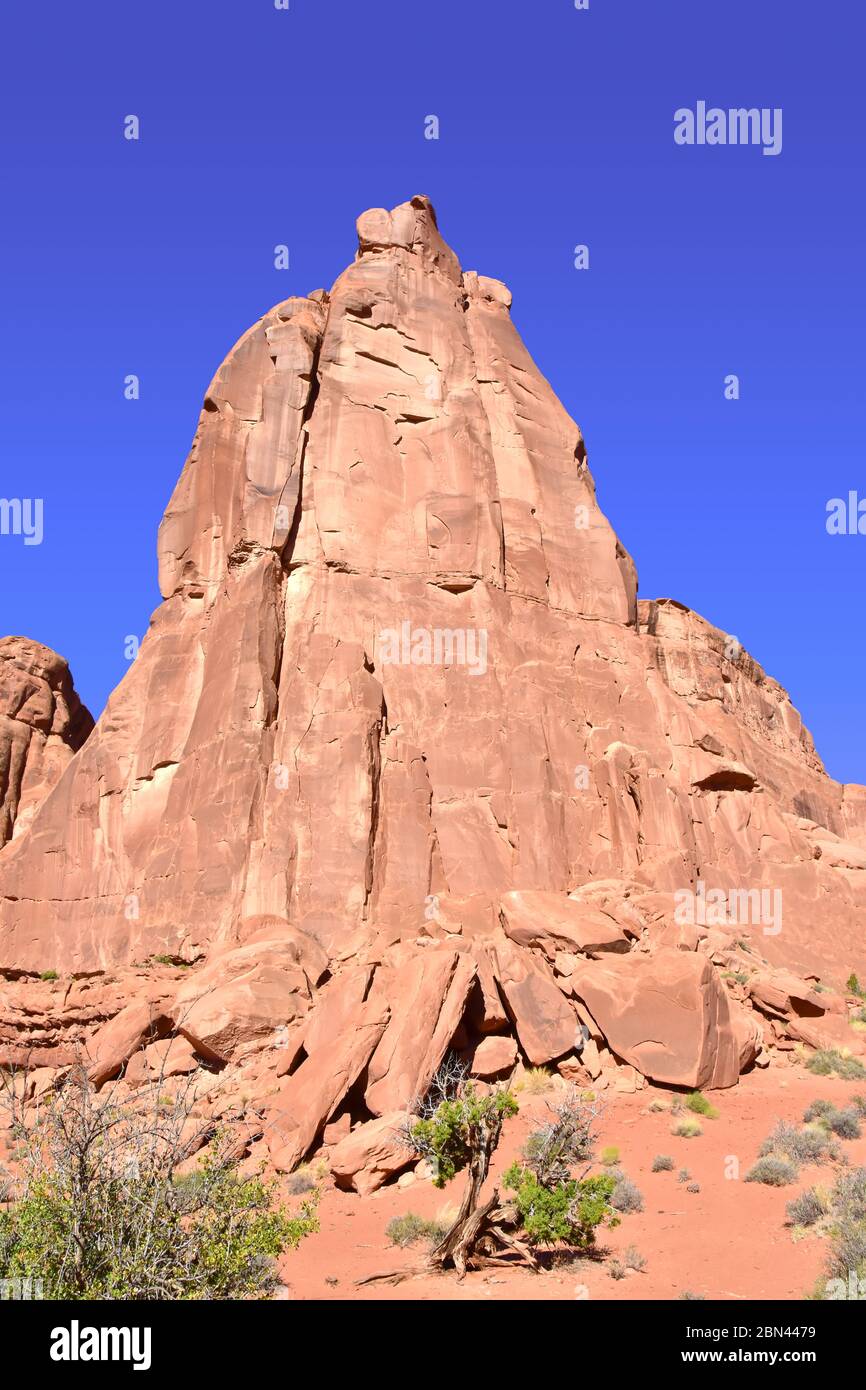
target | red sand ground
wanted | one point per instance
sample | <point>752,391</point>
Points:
<point>729,1241</point>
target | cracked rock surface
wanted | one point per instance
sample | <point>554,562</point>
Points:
<point>404,763</point>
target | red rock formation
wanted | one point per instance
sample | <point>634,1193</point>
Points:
<point>42,724</point>
<point>401,701</point>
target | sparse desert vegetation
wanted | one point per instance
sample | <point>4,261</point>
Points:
<point>106,1206</point>
<point>831,1062</point>
<point>773,1171</point>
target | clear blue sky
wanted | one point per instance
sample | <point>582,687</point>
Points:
<point>556,127</point>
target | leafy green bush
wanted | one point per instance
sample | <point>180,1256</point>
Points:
<point>49,975</point>
<point>772,1171</point>
<point>448,1137</point>
<point>566,1212</point>
<point>662,1163</point>
<point>103,1214</point>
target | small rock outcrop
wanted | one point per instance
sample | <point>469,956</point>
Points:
<point>42,725</point>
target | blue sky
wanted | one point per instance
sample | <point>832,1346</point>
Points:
<point>261,127</point>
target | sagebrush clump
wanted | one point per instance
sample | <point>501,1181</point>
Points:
<point>772,1171</point>
<point>626,1196</point>
<point>831,1062</point>
<point>410,1229</point>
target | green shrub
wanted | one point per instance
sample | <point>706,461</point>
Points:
<point>830,1062</point>
<point>49,975</point>
<point>772,1171</point>
<point>626,1196</point>
<point>852,984</point>
<point>817,1110</point>
<point>699,1105</point>
<point>609,1157</point>
<point>807,1209</point>
<point>447,1137</point>
<point>662,1163</point>
<point>845,1123</point>
<point>811,1145</point>
<point>849,1194</point>
<point>300,1182</point>
<point>568,1212</point>
<point>410,1228</point>
<point>103,1214</point>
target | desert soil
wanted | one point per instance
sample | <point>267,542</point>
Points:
<point>729,1241</point>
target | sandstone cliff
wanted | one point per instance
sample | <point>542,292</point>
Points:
<point>403,760</point>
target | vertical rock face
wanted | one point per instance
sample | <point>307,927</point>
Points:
<point>400,671</point>
<point>42,725</point>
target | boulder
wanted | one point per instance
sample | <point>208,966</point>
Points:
<point>491,1057</point>
<point>168,1057</point>
<point>782,992</point>
<point>245,994</point>
<point>117,1041</point>
<point>311,1095</point>
<point>371,1154</point>
<point>666,1013</point>
<point>546,1025</point>
<point>426,996</point>
<point>554,923</point>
